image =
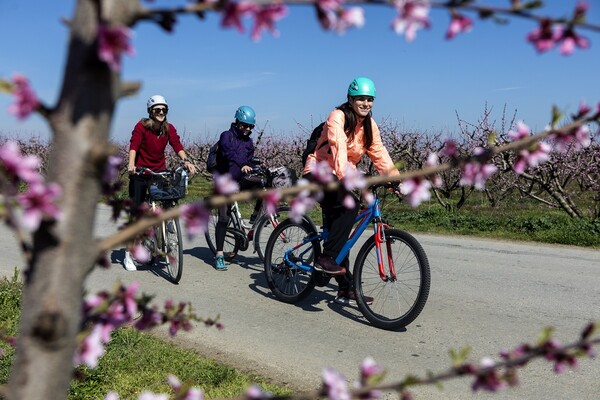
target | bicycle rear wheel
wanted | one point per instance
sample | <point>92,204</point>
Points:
<point>397,301</point>
<point>173,248</point>
<point>231,245</point>
<point>264,227</point>
<point>288,282</point>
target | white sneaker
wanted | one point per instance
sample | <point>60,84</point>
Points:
<point>128,262</point>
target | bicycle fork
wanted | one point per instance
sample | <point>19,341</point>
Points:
<point>380,238</point>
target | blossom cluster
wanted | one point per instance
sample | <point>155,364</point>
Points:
<point>39,198</point>
<point>106,311</point>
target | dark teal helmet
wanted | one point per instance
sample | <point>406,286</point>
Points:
<point>362,87</point>
<point>245,114</point>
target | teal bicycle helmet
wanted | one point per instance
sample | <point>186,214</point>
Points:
<point>245,114</point>
<point>362,87</point>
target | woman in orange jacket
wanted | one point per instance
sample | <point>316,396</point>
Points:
<point>348,134</point>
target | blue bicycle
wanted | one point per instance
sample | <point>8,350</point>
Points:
<point>391,267</point>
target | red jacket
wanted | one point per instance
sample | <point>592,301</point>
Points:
<point>150,148</point>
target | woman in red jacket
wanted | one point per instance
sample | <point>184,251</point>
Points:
<point>149,140</point>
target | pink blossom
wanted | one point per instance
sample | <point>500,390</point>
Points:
<point>522,131</point>
<point>353,178</point>
<point>450,149</point>
<point>38,202</point>
<point>368,197</point>
<point>544,36</point>
<point>112,43</point>
<point>140,253</point>
<point>233,13</point>
<point>578,137</point>
<point>111,171</point>
<point>349,201</point>
<point>369,368</point>
<point>193,394</point>
<point>322,172</point>
<point>417,190</point>
<point>490,380</point>
<point>335,385</point>
<point>255,392</point>
<point>225,185</point>
<point>301,203</point>
<point>353,17</point>
<point>370,371</point>
<point>26,101</point>
<point>412,15</point>
<point>195,218</point>
<point>433,160</point>
<point>537,154</point>
<point>146,395</point>
<point>333,15</point>
<point>458,24</point>
<point>174,382</point>
<point>90,349</point>
<point>475,174</point>
<point>570,40</point>
<point>271,201</point>
<point>265,17</point>
<point>112,396</point>
<point>18,166</point>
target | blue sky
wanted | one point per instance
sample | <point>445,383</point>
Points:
<point>206,72</point>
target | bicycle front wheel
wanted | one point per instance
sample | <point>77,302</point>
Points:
<point>399,297</point>
<point>173,248</point>
<point>286,254</point>
<point>231,246</point>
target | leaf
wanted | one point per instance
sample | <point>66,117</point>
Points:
<point>459,357</point>
<point>545,334</point>
<point>556,116</point>
<point>532,5</point>
<point>6,86</point>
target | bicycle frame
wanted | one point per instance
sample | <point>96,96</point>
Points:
<point>370,214</point>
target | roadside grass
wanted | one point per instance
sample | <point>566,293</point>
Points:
<point>134,362</point>
<point>525,221</point>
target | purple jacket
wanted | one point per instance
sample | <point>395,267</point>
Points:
<point>235,151</point>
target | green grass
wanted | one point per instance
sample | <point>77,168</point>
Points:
<point>134,362</point>
<point>528,223</point>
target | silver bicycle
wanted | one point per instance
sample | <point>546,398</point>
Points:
<point>165,242</point>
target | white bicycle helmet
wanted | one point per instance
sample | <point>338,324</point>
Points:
<point>156,100</point>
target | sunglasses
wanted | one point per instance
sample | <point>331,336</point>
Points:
<point>160,110</point>
<point>244,125</point>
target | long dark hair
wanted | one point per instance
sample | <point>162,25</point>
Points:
<point>350,122</point>
<point>160,128</point>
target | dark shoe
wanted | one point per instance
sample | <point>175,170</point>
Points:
<point>253,218</point>
<point>327,265</point>
<point>349,298</point>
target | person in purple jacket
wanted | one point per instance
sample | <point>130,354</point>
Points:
<point>235,157</point>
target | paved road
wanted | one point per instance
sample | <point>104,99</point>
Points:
<point>486,294</point>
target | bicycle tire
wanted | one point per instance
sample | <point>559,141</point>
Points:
<point>231,246</point>
<point>173,249</point>
<point>263,229</point>
<point>395,303</point>
<point>288,283</point>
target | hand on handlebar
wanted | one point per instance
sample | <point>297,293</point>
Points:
<point>190,166</point>
<point>247,169</point>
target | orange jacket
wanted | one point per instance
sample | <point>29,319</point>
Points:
<point>339,152</point>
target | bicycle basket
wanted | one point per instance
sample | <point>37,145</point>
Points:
<point>168,187</point>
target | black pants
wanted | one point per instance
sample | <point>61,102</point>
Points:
<point>338,220</point>
<point>138,188</point>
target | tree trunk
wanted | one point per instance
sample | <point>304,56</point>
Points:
<point>64,252</point>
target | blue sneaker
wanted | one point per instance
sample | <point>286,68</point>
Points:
<point>220,264</point>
